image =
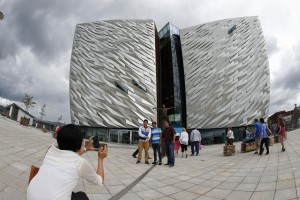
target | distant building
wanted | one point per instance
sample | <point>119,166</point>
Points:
<point>285,115</point>
<point>15,112</point>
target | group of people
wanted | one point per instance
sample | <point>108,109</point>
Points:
<point>167,139</point>
<point>262,132</point>
<point>261,135</point>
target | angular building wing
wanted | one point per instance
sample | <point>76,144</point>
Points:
<point>113,73</point>
<point>226,68</point>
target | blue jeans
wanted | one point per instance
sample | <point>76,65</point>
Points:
<point>156,148</point>
<point>195,147</point>
<point>170,152</point>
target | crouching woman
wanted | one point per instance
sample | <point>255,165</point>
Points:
<point>63,167</point>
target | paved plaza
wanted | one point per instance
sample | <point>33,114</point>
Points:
<point>207,176</point>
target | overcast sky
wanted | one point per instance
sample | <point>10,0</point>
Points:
<point>36,41</point>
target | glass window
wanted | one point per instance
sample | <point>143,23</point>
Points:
<point>135,137</point>
<point>139,85</point>
<point>124,137</point>
<point>121,87</point>
<point>114,136</point>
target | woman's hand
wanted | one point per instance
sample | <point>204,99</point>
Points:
<point>102,152</point>
<point>90,145</point>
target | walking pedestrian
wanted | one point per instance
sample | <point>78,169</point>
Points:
<point>195,139</point>
<point>282,133</point>
<point>257,134</point>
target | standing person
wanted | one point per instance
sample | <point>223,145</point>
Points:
<point>155,138</point>
<point>282,133</point>
<point>257,134</point>
<point>63,167</point>
<point>229,136</point>
<point>274,129</point>
<point>195,139</point>
<point>136,152</point>
<point>184,141</point>
<point>168,136</point>
<point>144,137</point>
<point>264,137</point>
<point>177,144</point>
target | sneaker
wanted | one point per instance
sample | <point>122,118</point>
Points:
<point>154,163</point>
<point>167,164</point>
<point>134,156</point>
<point>192,154</point>
<point>149,157</point>
<point>267,153</point>
<point>138,162</point>
<point>283,149</point>
<point>159,163</point>
<point>171,166</point>
<point>256,152</point>
<point>146,162</point>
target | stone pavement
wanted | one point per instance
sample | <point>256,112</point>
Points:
<point>207,176</point>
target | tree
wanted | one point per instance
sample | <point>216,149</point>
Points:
<point>28,101</point>
<point>59,119</point>
<point>42,112</point>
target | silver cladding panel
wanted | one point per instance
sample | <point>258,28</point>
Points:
<point>227,76</point>
<point>105,53</point>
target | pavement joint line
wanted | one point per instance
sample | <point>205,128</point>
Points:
<point>129,187</point>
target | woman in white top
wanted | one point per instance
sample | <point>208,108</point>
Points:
<point>230,136</point>
<point>63,167</point>
<point>184,141</point>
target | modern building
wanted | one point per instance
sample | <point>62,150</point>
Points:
<point>226,68</point>
<point>210,76</point>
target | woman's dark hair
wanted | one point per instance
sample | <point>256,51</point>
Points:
<point>262,120</point>
<point>69,138</point>
<point>281,122</point>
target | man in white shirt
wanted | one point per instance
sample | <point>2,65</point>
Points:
<point>195,139</point>
<point>144,136</point>
<point>63,167</point>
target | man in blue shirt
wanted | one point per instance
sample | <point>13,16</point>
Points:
<point>155,138</point>
<point>257,134</point>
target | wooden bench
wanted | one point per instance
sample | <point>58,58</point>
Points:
<point>229,150</point>
<point>246,147</point>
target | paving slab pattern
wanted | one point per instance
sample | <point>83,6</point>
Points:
<point>207,176</point>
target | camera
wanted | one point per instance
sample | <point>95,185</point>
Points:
<point>96,142</point>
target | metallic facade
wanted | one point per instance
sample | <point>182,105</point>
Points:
<point>226,70</point>
<point>113,73</point>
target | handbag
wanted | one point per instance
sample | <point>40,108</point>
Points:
<point>33,171</point>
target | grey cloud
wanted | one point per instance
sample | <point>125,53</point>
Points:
<point>288,77</point>
<point>272,45</point>
<point>36,40</point>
